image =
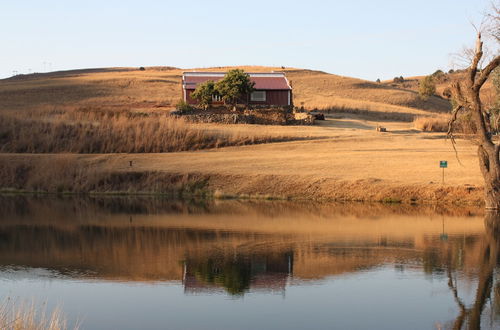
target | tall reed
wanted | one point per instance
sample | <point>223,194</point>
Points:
<point>108,131</point>
<point>26,316</point>
<point>431,124</point>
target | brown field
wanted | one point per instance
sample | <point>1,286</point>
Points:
<point>121,114</point>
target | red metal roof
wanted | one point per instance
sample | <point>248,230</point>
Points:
<point>270,83</point>
<point>266,83</point>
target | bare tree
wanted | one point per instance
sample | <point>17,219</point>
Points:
<point>493,28</point>
<point>466,95</point>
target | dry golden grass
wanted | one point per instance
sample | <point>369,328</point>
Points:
<point>462,126</point>
<point>159,88</point>
<point>429,124</point>
<point>112,88</point>
<point>63,173</point>
<point>315,89</point>
<point>28,317</point>
<point>444,82</point>
<point>125,110</point>
<point>351,162</point>
<point>347,159</point>
<point>373,111</point>
<point>354,152</point>
<point>90,130</point>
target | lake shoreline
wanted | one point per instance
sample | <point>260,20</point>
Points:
<point>155,175</point>
<point>240,187</point>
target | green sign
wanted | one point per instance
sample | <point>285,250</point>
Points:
<point>443,163</point>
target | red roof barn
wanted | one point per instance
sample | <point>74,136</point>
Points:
<point>270,88</point>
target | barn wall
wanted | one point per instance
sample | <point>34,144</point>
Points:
<point>189,99</point>
<point>273,97</point>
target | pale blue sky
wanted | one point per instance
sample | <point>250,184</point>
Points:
<point>360,38</point>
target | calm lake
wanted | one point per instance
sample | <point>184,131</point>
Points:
<point>145,263</point>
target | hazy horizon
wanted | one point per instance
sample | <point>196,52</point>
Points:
<point>362,39</point>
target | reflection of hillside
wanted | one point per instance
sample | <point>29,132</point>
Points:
<point>233,245</point>
<point>353,220</point>
<point>86,207</point>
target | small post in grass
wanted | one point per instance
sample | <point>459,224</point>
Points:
<point>443,164</point>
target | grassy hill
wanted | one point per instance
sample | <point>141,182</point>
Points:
<point>107,118</point>
<point>442,82</point>
<point>159,88</point>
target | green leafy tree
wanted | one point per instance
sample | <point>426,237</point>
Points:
<point>426,87</point>
<point>235,84</point>
<point>204,93</point>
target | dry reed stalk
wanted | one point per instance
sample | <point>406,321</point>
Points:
<point>26,316</point>
<point>66,174</point>
<point>368,111</point>
<point>95,130</point>
<point>431,124</point>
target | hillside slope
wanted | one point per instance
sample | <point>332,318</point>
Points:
<point>160,88</point>
<point>442,82</point>
<point>341,158</point>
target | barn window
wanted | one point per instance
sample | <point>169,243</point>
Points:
<point>258,96</point>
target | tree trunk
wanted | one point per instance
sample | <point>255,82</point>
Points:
<point>490,165</point>
<point>488,153</point>
<point>467,95</point>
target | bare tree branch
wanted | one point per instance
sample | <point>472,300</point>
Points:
<point>478,54</point>
<point>452,121</point>
<point>493,22</point>
<point>449,134</point>
<point>485,73</point>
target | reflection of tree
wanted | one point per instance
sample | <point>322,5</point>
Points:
<point>233,275</point>
<point>238,271</point>
<point>487,263</point>
<point>432,262</point>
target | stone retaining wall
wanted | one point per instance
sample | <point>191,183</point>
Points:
<point>251,116</point>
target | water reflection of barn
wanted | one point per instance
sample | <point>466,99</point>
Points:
<point>238,273</point>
